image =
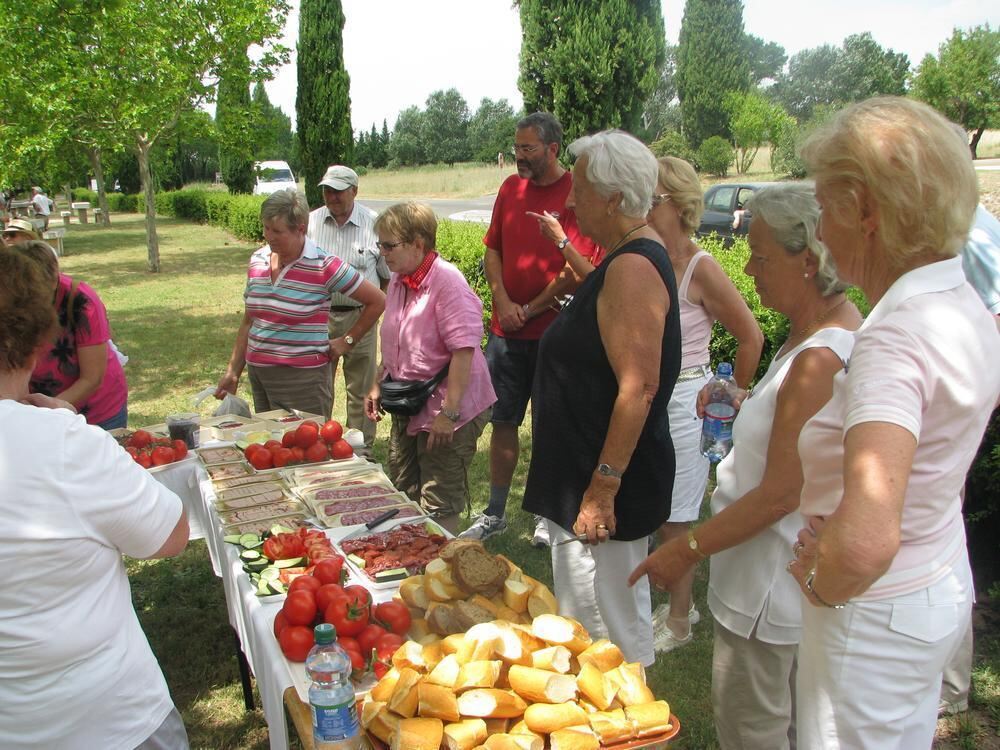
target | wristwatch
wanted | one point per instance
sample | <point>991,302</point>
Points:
<point>454,416</point>
<point>693,543</point>
<point>607,471</point>
<point>349,339</point>
<point>561,244</point>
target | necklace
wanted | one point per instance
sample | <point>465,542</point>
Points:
<point>625,236</point>
<point>815,322</point>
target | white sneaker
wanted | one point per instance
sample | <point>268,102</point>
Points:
<point>662,612</point>
<point>665,641</point>
<point>541,537</point>
<point>484,527</point>
<point>946,708</point>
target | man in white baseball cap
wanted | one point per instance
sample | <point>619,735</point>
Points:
<point>344,228</point>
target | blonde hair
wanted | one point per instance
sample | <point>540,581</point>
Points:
<point>903,156</point>
<point>682,184</point>
<point>407,221</point>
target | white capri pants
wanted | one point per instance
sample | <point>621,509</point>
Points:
<point>870,674</point>
<point>691,473</point>
<point>591,584</point>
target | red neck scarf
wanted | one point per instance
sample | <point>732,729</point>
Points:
<point>415,279</point>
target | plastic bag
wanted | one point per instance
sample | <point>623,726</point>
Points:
<point>229,405</point>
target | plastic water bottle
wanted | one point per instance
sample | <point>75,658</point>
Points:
<point>331,695</point>
<point>717,426</point>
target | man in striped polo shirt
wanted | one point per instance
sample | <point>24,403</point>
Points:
<point>284,337</point>
<point>344,228</point>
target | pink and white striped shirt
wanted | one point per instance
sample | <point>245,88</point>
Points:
<point>289,317</point>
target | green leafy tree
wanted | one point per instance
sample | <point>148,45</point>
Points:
<point>711,61</point>
<point>828,75</point>
<point>766,59</point>
<point>754,120</point>
<point>661,113</point>
<point>236,127</point>
<point>715,155</point>
<point>592,63</point>
<point>672,143</point>
<point>963,81</point>
<point>362,150</point>
<point>445,127</point>
<point>379,145</point>
<point>406,148</point>
<point>274,137</point>
<point>323,96</point>
<point>491,129</point>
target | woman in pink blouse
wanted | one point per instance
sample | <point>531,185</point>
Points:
<point>882,561</point>
<point>433,319</point>
<point>80,367</point>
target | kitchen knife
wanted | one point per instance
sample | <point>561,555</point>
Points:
<point>377,521</point>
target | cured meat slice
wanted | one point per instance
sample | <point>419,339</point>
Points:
<point>349,504</point>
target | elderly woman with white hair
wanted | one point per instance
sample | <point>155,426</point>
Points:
<point>756,606</point>
<point>882,562</point>
<point>602,459</point>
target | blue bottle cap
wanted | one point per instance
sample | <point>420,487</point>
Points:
<point>724,370</point>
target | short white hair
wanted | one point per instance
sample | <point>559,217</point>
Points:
<point>618,162</point>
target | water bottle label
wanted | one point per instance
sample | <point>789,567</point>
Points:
<point>718,422</point>
<point>334,723</point>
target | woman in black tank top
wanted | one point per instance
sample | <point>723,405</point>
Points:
<point>602,459</point>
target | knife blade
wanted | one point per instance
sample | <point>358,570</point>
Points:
<point>377,521</point>
<point>577,538</point>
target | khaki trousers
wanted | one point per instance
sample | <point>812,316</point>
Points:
<point>359,366</point>
<point>303,388</point>
<point>753,692</point>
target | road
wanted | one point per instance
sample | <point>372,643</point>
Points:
<point>472,209</point>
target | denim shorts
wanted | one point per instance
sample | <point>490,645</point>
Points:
<point>512,370</point>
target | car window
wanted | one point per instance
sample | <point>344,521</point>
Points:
<point>743,197</point>
<point>275,175</point>
<point>721,199</point>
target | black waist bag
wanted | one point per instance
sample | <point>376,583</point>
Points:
<point>405,398</point>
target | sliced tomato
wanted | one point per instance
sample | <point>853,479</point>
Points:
<point>287,575</point>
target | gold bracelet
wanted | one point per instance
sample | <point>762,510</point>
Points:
<point>693,543</point>
<point>809,587</point>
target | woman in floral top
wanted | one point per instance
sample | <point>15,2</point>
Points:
<point>80,367</point>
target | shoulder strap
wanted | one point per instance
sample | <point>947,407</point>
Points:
<point>70,299</point>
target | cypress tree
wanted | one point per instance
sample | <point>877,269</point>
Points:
<point>592,63</point>
<point>323,98</point>
<point>711,61</point>
<point>234,125</point>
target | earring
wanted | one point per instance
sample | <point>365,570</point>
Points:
<point>805,276</point>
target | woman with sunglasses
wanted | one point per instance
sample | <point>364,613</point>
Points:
<point>705,295</point>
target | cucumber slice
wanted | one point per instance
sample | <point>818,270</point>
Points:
<point>250,541</point>
<point>396,574</point>
<point>292,562</point>
<point>232,538</point>
<point>263,589</point>
<point>279,529</point>
<point>242,444</point>
<point>270,573</point>
<point>359,561</point>
<point>257,566</point>
<point>276,587</point>
<point>250,555</point>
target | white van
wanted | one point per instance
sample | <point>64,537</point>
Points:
<point>273,176</point>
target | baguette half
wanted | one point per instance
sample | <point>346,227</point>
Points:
<point>491,703</point>
<point>649,718</point>
<point>465,734</point>
<point>574,738</point>
<point>540,686</point>
<point>417,734</point>
<point>437,702</point>
<point>545,718</point>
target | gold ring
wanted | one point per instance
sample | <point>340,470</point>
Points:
<point>602,526</point>
<point>797,548</point>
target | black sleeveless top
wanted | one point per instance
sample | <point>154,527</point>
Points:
<point>571,402</point>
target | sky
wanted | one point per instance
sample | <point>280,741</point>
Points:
<point>398,51</point>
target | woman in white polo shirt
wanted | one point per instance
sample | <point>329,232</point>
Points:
<point>882,560</point>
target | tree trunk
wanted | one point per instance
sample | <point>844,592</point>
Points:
<point>142,147</point>
<point>976,135</point>
<point>102,196</point>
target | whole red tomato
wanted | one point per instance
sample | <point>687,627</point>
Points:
<point>280,623</point>
<point>346,615</point>
<point>144,460</point>
<point>330,570</point>
<point>316,452</point>
<point>306,434</point>
<point>288,439</point>
<point>298,454</point>
<point>282,457</point>
<point>326,593</point>
<point>368,637</point>
<point>300,607</point>
<point>360,594</point>
<point>348,643</point>
<point>162,455</point>
<point>295,642</point>
<point>358,662</point>
<point>394,615</point>
<point>388,644</point>
<point>261,459</point>
<point>180,449</point>
<point>341,449</point>
<point>251,449</point>
<point>272,444</point>
<point>331,432</point>
<point>140,439</point>
<point>305,583</point>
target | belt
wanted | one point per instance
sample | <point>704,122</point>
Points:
<point>693,373</point>
<point>345,308</point>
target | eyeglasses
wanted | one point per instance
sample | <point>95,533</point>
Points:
<point>661,198</point>
<point>387,246</point>
<point>525,149</point>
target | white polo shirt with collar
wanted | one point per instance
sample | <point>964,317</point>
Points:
<point>354,242</point>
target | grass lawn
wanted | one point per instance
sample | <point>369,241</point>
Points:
<point>177,327</point>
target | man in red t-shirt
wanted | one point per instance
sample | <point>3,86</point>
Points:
<point>528,275</point>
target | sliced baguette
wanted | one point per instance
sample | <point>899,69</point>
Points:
<point>379,721</point>
<point>631,681</point>
<point>465,734</point>
<point>516,594</point>
<point>542,602</point>
<point>545,718</point>
<point>490,703</point>
<point>561,631</point>
<point>477,674</point>
<point>514,742</point>
<point>382,690</point>
<point>411,590</point>
<point>404,697</point>
<point>540,686</point>
<point>553,658</point>
<point>574,738</point>
<point>445,672</point>
<point>611,726</point>
<point>603,654</point>
<point>649,718</point>
<point>596,687</point>
<point>437,702</point>
<point>417,734</point>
